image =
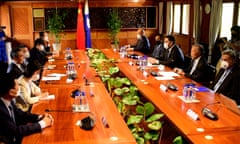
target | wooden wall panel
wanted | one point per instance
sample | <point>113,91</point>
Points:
<point>22,25</point>
<point>5,19</point>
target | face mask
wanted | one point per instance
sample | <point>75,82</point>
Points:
<point>224,64</point>
<point>139,36</point>
<point>18,92</point>
<point>46,38</point>
<point>41,47</point>
<point>36,77</point>
<point>165,45</point>
<point>158,42</point>
<point>27,55</point>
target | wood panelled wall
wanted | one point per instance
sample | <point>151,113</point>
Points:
<point>17,16</point>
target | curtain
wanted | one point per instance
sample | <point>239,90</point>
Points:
<point>169,18</point>
<point>196,20</point>
<point>160,21</point>
<point>215,23</point>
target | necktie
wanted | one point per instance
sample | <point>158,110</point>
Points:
<point>11,113</point>
<point>194,65</point>
<point>220,81</point>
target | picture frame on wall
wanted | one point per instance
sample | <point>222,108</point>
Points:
<point>38,24</point>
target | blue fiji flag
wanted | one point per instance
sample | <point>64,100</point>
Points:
<point>87,26</point>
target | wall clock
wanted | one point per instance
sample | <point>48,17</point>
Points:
<point>207,8</point>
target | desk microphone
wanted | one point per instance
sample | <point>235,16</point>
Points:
<point>49,110</point>
<point>208,113</point>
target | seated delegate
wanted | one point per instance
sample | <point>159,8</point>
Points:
<point>30,92</point>
<point>227,81</point>
<point>198,69</point>
<point>14,123</point>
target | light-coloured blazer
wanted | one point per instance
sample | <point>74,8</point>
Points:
<point>28,94</point>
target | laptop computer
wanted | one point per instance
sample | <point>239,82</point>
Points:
<point>229,103</point>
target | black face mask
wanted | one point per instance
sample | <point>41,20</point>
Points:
<point>158,42</point>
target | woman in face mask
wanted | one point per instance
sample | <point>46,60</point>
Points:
<point>30,92</point>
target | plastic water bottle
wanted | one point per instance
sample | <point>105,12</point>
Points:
<point>83,101</point>
<point>192,92</point>
<point>76,105</point>
<point>186,91</point>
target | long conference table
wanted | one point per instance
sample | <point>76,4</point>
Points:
<point>65,130</point>
<point>112,129</point>
<point>225,130</point>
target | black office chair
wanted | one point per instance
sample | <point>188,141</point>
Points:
<point>187,61</point>
<point>211,71</point>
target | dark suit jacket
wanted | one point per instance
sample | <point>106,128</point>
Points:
<point>231,84</point>
<point>159,52</point>
<point>26,124</point>
<point>201,71</point>
<point>40,56</point>
<point>142,45</point>
<point>175,58</point>
<point>14,71</point>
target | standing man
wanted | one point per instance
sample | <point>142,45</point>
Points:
<point>226,81</point>
<point>14,123</point>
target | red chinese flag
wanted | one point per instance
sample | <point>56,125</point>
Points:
<point>80,29</point>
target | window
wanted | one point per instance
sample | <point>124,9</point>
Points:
<point>177,16</point>
<point>185,19</point>
<point>227,19</point>
<point>239,14</point>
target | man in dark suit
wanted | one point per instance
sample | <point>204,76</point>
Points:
<point>158,50</point>
<point>174,55</point>
<point>227,81</point>
<point>143,44</point>
<point>14,123</point>
<point>17,67</point>
<point>38,52</point>
<point>198,69</point>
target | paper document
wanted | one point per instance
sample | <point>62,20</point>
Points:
<point>164,78</point>
<point>168,74</point>
<point>56,75</point>
<point>50,78</point>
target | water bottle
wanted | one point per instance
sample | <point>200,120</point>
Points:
<point>123,52</point>
<point>83,102</point>
<point>76,105</point>
<point>144,62</point>
<point>186,91</point>
<point>192,92</point>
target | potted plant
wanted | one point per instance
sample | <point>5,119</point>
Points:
<point>114,26</point>
<point>55,27</point>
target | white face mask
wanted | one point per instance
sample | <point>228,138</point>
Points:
<point>18,92</point>
<point>41,47</point>
<point>139,36</point>
<point>165,45</point>
<point>46,38</point>
<point>35,77</point>
<point>224,64</point>
<point>27,54</point>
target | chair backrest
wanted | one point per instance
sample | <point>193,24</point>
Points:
<point>211,71</point>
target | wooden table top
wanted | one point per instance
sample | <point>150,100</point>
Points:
<point>65,130</point>
<point>176,110</point>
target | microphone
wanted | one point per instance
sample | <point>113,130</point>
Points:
<point>49,110</point>
<point>209,113</point>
